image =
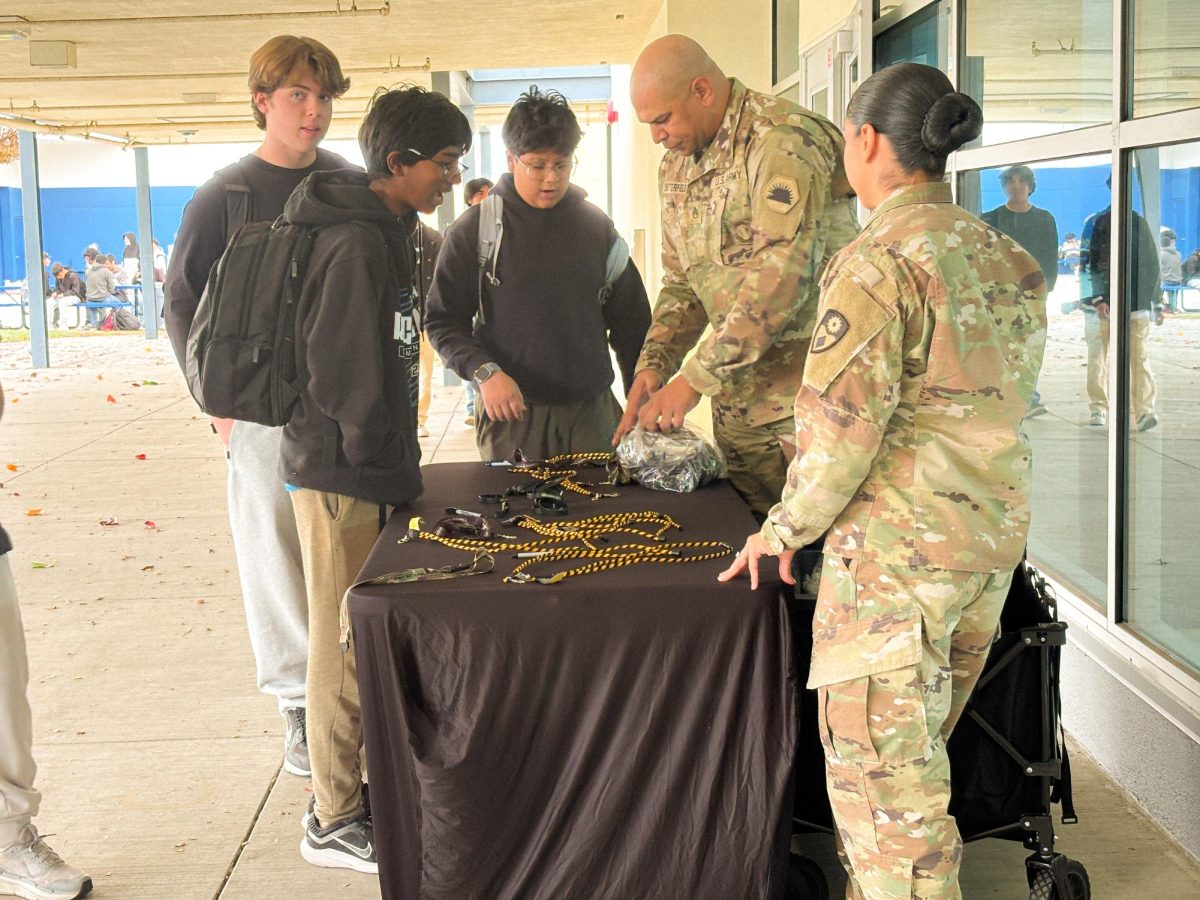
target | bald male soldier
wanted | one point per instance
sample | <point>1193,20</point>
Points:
<point>755,202</point>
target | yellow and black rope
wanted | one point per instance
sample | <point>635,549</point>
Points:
<point>610,558</point>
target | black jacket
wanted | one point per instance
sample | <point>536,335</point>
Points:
<point>204,231</point>
<point>544,324</point>
<point>354,429</point>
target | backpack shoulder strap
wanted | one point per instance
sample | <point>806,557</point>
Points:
<point>614,267</point>
<point>491,232</point>
<point>237,197</point>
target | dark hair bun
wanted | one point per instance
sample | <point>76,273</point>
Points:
<point>953,120</point>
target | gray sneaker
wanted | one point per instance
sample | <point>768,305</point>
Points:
<point>349,844</point>
<point>30,869</point>
<point>295,742</point>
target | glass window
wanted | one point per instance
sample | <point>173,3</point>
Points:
<point>1038,67</point>
<point>786,21</point>
<point>1162,300</point>
<point>1045,207</point>
<point>1166,56</point>
<point>919,38</point>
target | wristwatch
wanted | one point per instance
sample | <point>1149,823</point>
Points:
<point>484,372</point>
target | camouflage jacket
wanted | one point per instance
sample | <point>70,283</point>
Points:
<point>908,423</point>
<point>747,229</point>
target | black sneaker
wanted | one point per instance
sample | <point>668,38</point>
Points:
<point>349,844</point>
<point>295,742</point>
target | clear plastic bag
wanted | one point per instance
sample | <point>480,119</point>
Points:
<point>678,461</point>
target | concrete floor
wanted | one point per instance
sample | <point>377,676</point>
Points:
<point>159,760</point>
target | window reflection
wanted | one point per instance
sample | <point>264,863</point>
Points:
<point>1162,566</point>
<point>1166,56</point>
<point>1037,67</point>
<point>1045,208</point>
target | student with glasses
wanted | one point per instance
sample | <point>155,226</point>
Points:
<point>350,447</point>
<point>534,331</point>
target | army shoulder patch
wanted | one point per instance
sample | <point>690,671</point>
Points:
<point>782,194</point>
<point>852,316</point>
<point>831,329</point>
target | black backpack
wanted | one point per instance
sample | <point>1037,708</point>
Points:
<point>240,361</point>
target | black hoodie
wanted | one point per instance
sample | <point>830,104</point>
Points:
<point>354,429</point>
<point>545,326</point>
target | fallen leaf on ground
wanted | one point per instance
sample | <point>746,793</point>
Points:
<point>38,564</point>
<point>111,399</point>
<point>147,568</point>
<point>148,381</point>
<point>109,522</point>
<point>33,512</point>
<point>139,456</point>
<point>201,601</point>
<point>99,377</point>
<point>12,467</point>
<point>149,523</point>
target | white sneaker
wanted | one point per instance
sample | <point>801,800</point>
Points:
<point>30,869</point>
<point>422,431</point>
<point>1098,419</point>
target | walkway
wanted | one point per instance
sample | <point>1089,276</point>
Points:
<point>160,761</point>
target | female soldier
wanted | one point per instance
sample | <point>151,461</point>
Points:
<point>910,454</point>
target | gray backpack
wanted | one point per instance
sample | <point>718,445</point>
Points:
<point>491,233</point>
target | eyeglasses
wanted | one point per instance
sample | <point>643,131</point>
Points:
<point>541,171</point>
<point>450,169</point>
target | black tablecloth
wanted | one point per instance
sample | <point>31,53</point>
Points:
<point>622,735</point>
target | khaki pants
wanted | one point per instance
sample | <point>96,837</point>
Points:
<point>549,429</point>
<point>756,456</point>
<point>18,799</point>
<point>426,384</point>
<point>896,654</point>
<point>336,535</point>
<point>1143,392</point>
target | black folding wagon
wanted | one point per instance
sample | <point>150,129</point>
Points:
<point>1008,760</point>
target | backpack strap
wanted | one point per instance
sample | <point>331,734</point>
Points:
<point>491,231</point>
<point>614,267</point>
<point>237,197</point>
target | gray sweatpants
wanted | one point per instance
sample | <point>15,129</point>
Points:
<point>269,562</point>
<point>18,800</point>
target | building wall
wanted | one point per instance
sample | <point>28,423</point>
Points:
<point>819,17</point>
<point>1148,755</point>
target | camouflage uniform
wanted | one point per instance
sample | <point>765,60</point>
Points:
<point>747,230</point>
<point>911,454</point>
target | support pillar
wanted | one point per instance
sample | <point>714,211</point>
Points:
<point>31,210</point>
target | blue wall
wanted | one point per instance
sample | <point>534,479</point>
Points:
<point>1071,195</point>
<point>72,218</point>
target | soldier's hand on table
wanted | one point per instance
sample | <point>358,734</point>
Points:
<point>756,548</point>
<point>645,383</point>
<point>665,411</point>
<point>502,399</point>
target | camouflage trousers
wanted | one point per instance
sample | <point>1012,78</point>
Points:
<point>756,456</point>
<point>896,653</point>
